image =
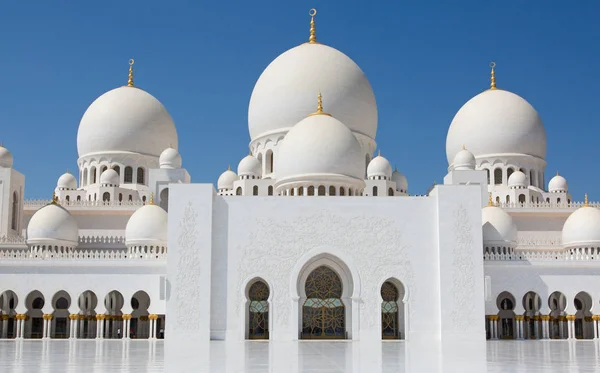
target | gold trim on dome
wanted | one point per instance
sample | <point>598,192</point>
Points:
<point>312,39</point>
<point>130,79</point>
<point>493,76</point>
<point>320,106</point>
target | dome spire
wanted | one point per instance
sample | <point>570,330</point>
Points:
<point>320,106</point>
<point>130,80</point>
<point>493,76</point>
<point>490,200</point>
<point>585,200</point>
<point>313,31</point>
<point>55,198</point>
<point>151,202</point>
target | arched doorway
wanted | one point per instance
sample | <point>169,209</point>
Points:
<point>558,322</point>
<point>59,323</point>
<point>258,310</point>
<point>392,310</point>
<point>323,313</point>
<point>113,322</point>
<point>139,324</point>
<point>584,326</point>
<point>34,325</point>
<point>164,199</point>
<point>87,303</point>
<point>532,304</point>
<point>506,315</point>
<point>8,304</point>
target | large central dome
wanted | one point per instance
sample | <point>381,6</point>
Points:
<point>284,93</point>
<point>126,119</point>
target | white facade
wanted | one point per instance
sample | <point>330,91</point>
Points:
<point>294,245</point>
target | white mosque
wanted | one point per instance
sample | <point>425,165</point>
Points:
<point>313,237</point>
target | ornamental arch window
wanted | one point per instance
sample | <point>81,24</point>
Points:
<point>238,191</point>
<point>323,312</point>
<point>321,190</point>
<point>375,191</point>
<point>498,176</point>
<point>255,190</point>
<point>270,190</point>
<point>392,310</point>
<point>106,197</point>
<point>128,176</point>
<point>258,310</point>
<point>141,178</point>
<point>332,190</point>
<point>15,211</point>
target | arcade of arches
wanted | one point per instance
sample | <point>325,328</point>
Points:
<point>533,324</point>
<point>323,311</point>
<point>85,323</point>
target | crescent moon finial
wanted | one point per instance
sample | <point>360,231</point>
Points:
<point>493,75</point>
<point>312,39</point>
<point>130,79</point>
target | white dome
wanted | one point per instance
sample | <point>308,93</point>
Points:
<point>249,166</point>
<point>496,122</point>
<point>284,93</point>
<point>52,223</point>
<point>6,158</point>
<point>582,228</point>
<point>66,181</point>
<point>400,180</point>
<point>320,145</point>
<point>517,180</point>
<point>170,158</point>
<point>109,177</point>
<point>379,166</point>
<point>147,226</point>
<point>126,119</point>
<point>464,160</point>
<point>498,227</point>
<point>226,180</point>
<point>558,184</point>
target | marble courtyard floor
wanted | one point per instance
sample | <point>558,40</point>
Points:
<point>148,356</point>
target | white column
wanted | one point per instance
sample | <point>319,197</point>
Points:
<point>595,325</point>
<point>569,328</point>
<point>18,333</point>
<point>152,329</point>
<point>4,326</point>
<point>45,328</point>
<point>126,326</point>
<point>495,329</point>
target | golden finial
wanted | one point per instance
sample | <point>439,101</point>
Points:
<point>228,167</point>
<point>490,200</point>
<point>320,106</point>
<point>464,147</point>
<point>585,200</point>
<point>130,80</point>
<point>54,198</point>
<point>313,31</point>
<point>557,173</point>
<point>493,76</point>
<point>151,198</point>
<point>379,153</point>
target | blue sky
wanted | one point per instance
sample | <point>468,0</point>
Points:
<point>201,59</point>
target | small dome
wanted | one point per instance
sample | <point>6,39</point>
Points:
<point>400,180</point>
<point>320,145</point>
<point>52,223</point>
<point>109,177</point>
<point>66,181</point>
<point>147,226</point>
<point>170,158</point>
<point>517,180</point>
<point>464,161</point>
<point>283,94</point>
<point>126,120</point>
<point>6,158</point>
<point>498,227</point>
<point>249,166</point>
<point>558,184</point>
<point>226,180</point>
<point>379,166</point>
<point>582,228</point>
<point>497,122</point>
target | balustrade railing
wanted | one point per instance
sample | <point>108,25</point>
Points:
<point>570,255</point>
<point>545,205</point>
<point>79,254</point>
<point>38,203</point>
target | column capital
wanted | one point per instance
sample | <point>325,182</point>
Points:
<point>570,317</point>
<point>74,316</point>
<point>20,316</point>
<point>126,316</point>
<point>153,316</point>
<point>48,316</point>
<point>595,317</point>
<point>100,317</point>
<point>4,317</point>
<point>519,317</point>
<point>494,317</point>
<point>545,317</point>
